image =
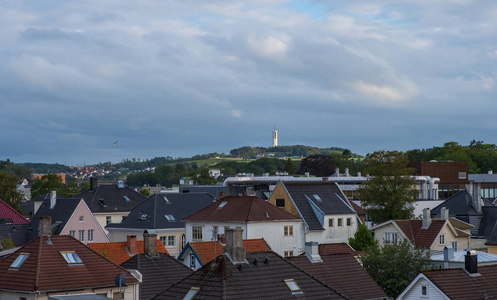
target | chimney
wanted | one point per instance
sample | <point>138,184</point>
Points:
<point>347,172</point>
<point>426,218</point>
<point>244,193</point>
<point>337,172</point>
<point>306,174</point>
<point>234,244</point>
<point>312,252</point>
<point>490,172</point>
<point>448,253</point>
<point>471,262</point>
<point>53,199</point>
<point>131,245</point>
<point>221,194</point>
<point>93,183</point>
<point>477,196</point>
<point>150,242</point>
<point>45,226</point>
<point>444,213</point>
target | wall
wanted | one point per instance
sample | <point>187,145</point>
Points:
<point>335,234</point>
<point>280,193</point>
<point>116,217</point>
<point>131,292</point>
<point>89,222</point>
<point>415,292</point>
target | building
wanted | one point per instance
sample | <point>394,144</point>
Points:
<point>275,137</point>
<point>282,231</point>
<point>449,259</point>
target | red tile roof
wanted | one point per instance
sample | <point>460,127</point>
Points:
<point>335,248</point>
<point>45,269</point>
<point>207,251</point>
<point>421,238</point>
<point>9,213</point>
<point>117,253</point>
<point>241,208</point>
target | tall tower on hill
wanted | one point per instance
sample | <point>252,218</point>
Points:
<point>275,137</point>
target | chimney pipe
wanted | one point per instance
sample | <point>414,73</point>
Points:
<point>471,262</point>
<point>45,226</point>
<point>448,253</point>
<point>312,252</point>
<point>150,242</point>
<point>131,245</point>
<point>426,218</point>
<point>444,213</point>
<point>234,244</point>
<point>53,199</point>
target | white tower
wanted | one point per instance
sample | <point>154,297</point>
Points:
<point>275,137</point>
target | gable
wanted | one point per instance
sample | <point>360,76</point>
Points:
<point>279,192</point>
<point>415,290</point>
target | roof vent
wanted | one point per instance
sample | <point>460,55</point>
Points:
<point>240,267</point>
<point>266,260</point>
<point>120,184</point>
<point>255,261</point>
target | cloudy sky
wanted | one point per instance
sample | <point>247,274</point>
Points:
<point>181,78</point>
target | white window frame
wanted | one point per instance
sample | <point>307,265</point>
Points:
<point>441,239</point>
<point>81,235</point>
<point>169,239</point>
<point>90,235</point>
<point>163,240</point>
<point>454,245</point>
<point>288,230</point>
<point>197,233</point>
<point>391,238</point>
<point>331,222</point>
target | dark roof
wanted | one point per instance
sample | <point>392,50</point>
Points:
<point>241,208</point>
<point>332,200</point>
<point>460,206</point>
<point>420,238</point>
<point>343,273</point>
<point>17,232</point>
<point>10,214</point>
<point>221,279</point>
<point>53,272</point>
<point>159,272</point>
<point>60,213</point>
<point>111,198</point>
<point>150,214</point>
<point>488,221</point>
<point>213,190</point>
<point>458,284</point>
<point>335,248</point>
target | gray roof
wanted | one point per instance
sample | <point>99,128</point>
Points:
<point>150,214</point>
<point>488,221</point>
<point>111,198</point>
<point>460,206</point>
<point>326,196</point>
<point>261,277</point>
<point>482,177</point>
<point>213,190</point>
<point>459,256</point>
<point>17,232</point>
<point>159,272</point>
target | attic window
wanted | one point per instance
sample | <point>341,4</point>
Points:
<point>126,198</point>
<point>293,286</point>
<point>316,196</point>
<point>222,204</point>
<point>71,257</point>
<point>170,218</point>
<point>167,200</point>
<point>19,260</point>
<point>191,293</point>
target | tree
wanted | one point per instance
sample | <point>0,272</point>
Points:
<point>289,167</point>
<point>318,165</point>
<point>145,192</point>
<point>8,191</point>
<point>393,267</point>
<point>204,178</point>
<point>389,193</point>
<point>363,239</point>
<point>53,182</point>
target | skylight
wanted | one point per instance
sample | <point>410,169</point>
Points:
<point>292,285</point>
<point>143,216</point>
<point>126,198</point>
<point>71,257</point>
<point>19,260</point>
<point>316,196</point>
<point>191,293</point>
<point>222,204</point>
<point>170,217</point>
<point>167,200</point>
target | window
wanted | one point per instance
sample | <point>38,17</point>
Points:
<point>81,218</point>
<point>454,246</point>
<point>280,203</point>
<point>71,257</point>
<point>90,235</point>
<point>390,238</point>
<point>316,196</point>
<point>288,230</point>
<point>191,293</point>
<point>349,221</point>
<point>192,261</point>
<point>82,235</point>
<point>19,260</point>
<point>170,218</point>
<point>424,290</point>
<point>163,240</point>
<point>215,232</point>
<point>196,233</point>
<point>183,241</point>
<point>442,239</point>
<point>288,253</point>
<point>293,286</point>
<point>171,240</point>
<point>222,204</point>
<point>108,220</point>
<point>330,222</point>
<point>340,222</point>
<point>165,199</point>
<point>72,233</point>
<point>462,175</point>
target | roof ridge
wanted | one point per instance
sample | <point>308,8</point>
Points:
<point>251,209</point>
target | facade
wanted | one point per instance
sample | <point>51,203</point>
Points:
<point>453,175</point>
<point>282,231</point>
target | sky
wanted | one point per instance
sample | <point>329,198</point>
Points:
<point>180,78</point>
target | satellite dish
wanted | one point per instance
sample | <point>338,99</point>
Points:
<point>120,280</point>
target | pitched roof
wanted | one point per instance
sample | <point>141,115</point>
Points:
<point>16,232</point>
<point>111,198</point>
<point>343,273</point>
<point>151,213</point>
<point>158,272</point>
<point>458,284</point>
<point>488,222</point>
<point>263,277</point>
<point>45,269</point>
<point>329,200</point>
<point>117,252</point>
<point>207,251</point>
<point>460,206</point>
<point>10,214</point>
<point>420,238</point>
<point>335,248</point>
<point>241,208</point>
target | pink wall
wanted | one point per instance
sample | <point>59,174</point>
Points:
<point>88,223</point>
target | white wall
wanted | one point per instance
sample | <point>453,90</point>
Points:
<point>335,234</point>
<point>415,292</point>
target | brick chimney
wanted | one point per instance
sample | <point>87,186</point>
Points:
<point>221,195</point>
<point>131,245</point>
<point>234,244</point>
<point>53,199</point>
<point>426,218</point>
<point>471,263</point>
<point>150,242</point>
<point>45,226</point>
<point>312,252</point>
<point>93,183</point>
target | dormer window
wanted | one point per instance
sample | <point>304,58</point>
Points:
<point>71,257</point>
<point>293,286</point>
<point>191,293</point>
<point>19,260</point>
